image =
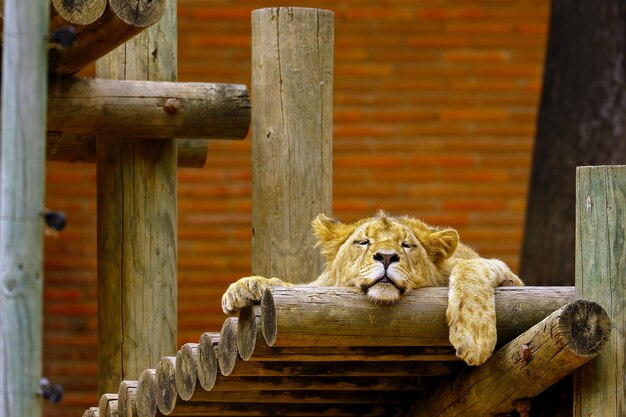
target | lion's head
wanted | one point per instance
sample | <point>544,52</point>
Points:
<point>383,255</point>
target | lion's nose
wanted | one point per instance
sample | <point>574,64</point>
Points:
<point>386,258</point>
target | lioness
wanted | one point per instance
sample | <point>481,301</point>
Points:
<point>386,256</point>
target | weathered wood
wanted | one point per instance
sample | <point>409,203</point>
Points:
<point>248,327</point>
<point>127,397</point>
<point>292,81</point>
<point>76,12</point>
<point>227,347</point>
<point>600,385</point>
<point>167,395</point>
<point>295,409</point>
<point>146,394</point>
<point>92,412</point>
<point>137,223</point>
<point>347,369</point>
<point>186,373</point>
<point>270,383</point>
<point>526,366</point>
<point>22,192</point>
<point>148,109</point>
<point>191,153</point>
<point>303,397</point>
<point>207,360</point>
<point>121,21</point>
<point>108,405</point>
<point>310,316</point>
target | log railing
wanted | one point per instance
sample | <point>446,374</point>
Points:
<point>322,370</point>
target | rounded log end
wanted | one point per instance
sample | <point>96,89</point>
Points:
<point>268,317</point>
<point>186,374</point>
<point>126,398</point>
<point>107,405</point>
<point>585,327</point>
<point>92,412</point>
<point>81,12</point>
<point>246,333</point>
<point>227,348</point>
<point>146,394</point>
<point>138,13</point>
<point>166,394</point>
<point>207,362</point>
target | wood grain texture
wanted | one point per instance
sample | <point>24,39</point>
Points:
<point>332,316</point>
<point>207,360</point>
<point>108,405</point>
<point>126,399</point>
<point>146,394</point>
<point>292,81</point>
<point>79,12</point>
<point>166,393</point>
<point>186,370</point>
<point>227,346</point>
<point>600,386</point>
<point>148,109</point>
<point>22,196</point>
<point>563,341</point>
<point>137,224</point>
<point>190,153</point>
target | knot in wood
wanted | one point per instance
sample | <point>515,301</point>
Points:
<point>171,106</point>
<point>526,353</point>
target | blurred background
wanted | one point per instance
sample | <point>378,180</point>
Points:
<point>435,105</point>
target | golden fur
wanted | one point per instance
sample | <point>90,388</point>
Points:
<point>386,256</point>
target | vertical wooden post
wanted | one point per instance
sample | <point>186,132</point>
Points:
<point>600,385</point>
<point>137,224</point>
<point>22,189</point>
<point>292,80</point>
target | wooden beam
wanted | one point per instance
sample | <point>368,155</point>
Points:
<point>148,109</point>
<point>191,153</point>
<point>317,316</point>
<point>523,368</point>
<point>137,224</point>
<point>292,81</point>
<point>600,385</point>
<point>22,192</point>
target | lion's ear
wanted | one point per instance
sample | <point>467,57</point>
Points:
<point>441,244</point>
<point>331,234</point>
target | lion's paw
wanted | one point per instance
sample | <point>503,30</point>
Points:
<point>472,326</point>
<point>244,293</point>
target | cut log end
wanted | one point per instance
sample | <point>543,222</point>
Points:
<point>126,399</point>
<point>227,348</point>
<point>246,333</point>
<point>108,405</point>
<point>586,327</point>
<point>268,318</point>
<point>186,374</point>
<point>146,394</point>
<point>207,360</point>
<point>92,412</point>
<point>166,385</point>
<point>79,12</point>
<point>140,13</point>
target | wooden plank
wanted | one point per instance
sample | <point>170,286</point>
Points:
<point>317,316</point>
<point>600,385</point>
<point>137,224</point>
<point>191,153</point>
<point>292,68</point>
<point>148,109</point>
<point>22,192</point>
<point>550,350</point>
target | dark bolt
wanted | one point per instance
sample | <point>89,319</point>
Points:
<point>526,353</point>
<point>50,392</point>
<point>55,220</point>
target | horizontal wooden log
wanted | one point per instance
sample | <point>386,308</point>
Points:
<point>108,405</point>
<point>332,316</point>
<point>303,397</point>
<point>191,153</point>
<point>146,394</point>
<point>526,366</point>
<point>346,369</point>
<point>166,393</point>
<point>295,409</point>
<point>126,397</point>
<point>207,360</point>
<point>186,373</point>
<point>296,383</point>
<point>148,109</point>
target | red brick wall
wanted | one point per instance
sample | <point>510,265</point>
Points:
<point>435,103</point>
